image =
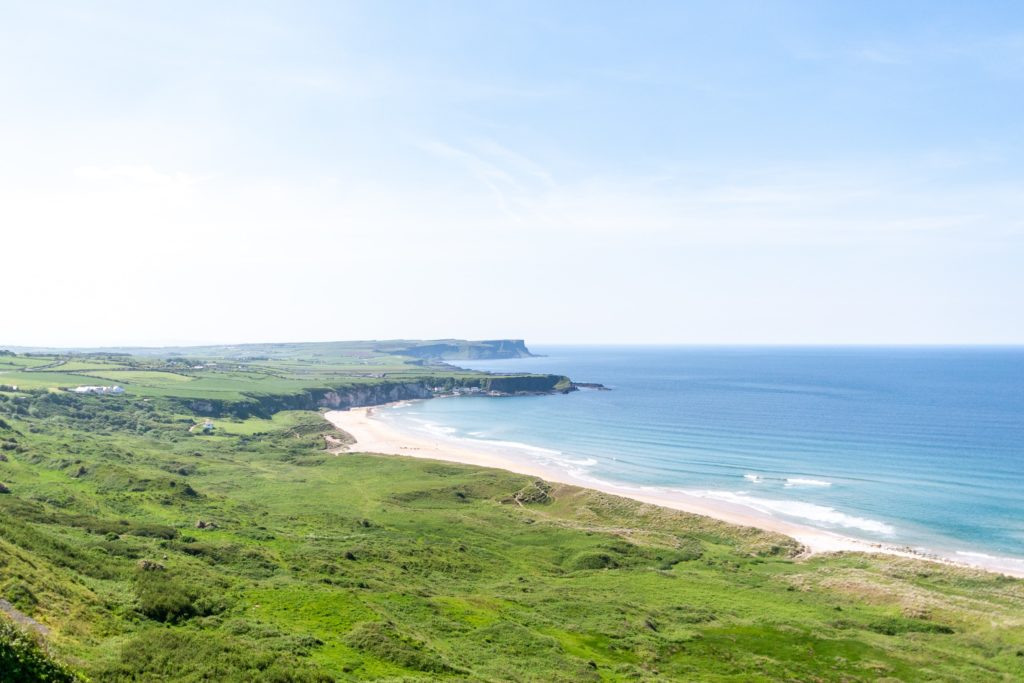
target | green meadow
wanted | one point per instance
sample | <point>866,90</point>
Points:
<point>242,374</point>
<point>150,551</point>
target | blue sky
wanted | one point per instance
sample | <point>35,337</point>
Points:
<point>566,172</point>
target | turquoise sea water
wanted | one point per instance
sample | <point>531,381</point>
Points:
<point>917,446</point>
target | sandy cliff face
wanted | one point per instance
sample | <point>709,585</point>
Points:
<point>373,395</point>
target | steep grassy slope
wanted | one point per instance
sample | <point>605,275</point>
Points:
<point>253,554</point>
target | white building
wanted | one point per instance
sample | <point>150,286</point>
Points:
<point>98,390</point>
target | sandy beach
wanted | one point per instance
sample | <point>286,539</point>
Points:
<point>373,435</point>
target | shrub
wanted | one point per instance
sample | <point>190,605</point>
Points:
<point>688,552</point>
<point>24,660</point>
<point>170,654</point>
<point>383,641</point>
<point>164,599</point>
<point>592,560</point>
<point>22,597</point>
<point>894,626</point>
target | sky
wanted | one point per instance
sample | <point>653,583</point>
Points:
<point>564,172</point>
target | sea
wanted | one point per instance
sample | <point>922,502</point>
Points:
<point>918,447</point>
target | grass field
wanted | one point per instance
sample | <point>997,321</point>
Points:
<point>144,377</point>
<point>238,374</point>
<point>44,379</point>
<point>254,425</point>
<point>84,365</point>
<point>313,567</point>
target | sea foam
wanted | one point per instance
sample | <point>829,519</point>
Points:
<point>548,455</point>
<point>819,514</point>
<point>800,481</point>
<point>1006,564</point>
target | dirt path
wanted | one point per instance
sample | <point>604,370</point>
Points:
<point>22,619</point>
<point>336,445</point>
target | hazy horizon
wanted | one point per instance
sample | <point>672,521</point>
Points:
<point>531,345</point>
<point>779,173</point>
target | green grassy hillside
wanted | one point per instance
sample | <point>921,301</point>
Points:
<point>152,552</point>
<point>261,379</point>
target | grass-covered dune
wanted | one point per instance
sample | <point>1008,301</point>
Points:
<point>151,552</point>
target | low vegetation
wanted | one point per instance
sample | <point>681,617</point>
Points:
<point>155,550</point>
<point>23,658</point>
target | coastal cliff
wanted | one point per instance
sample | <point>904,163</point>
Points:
<point>379,393</point>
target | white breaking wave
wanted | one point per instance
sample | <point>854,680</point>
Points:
<point>575,466</point>
<point>797,509</point>
<point>798,481</point>
<point>519,446</point>
<point>1013,565</point>
<point>437,429</point>
<point>756,478</point>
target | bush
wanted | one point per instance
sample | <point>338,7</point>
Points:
<point>163,599</point>
<point>23,659</point>
<point>383,641</point>
<point>22,597</point>
<point>170,654</point>
<point>688,552</point>
<point>592,560</point>
<point>894,626</point>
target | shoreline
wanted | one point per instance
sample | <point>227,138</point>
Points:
<point>373,435</point>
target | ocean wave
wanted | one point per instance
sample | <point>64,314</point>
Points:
<point>1014,564</point>
<point>437,429</point>
<point>576,466</point>
<point>756,478</point>
<point>800,481</point>
<point>520,446</point>
<point>819,514</point>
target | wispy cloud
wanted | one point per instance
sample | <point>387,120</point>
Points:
<point>140,175</point>
<point>501,172</point>
<point>797,205</point>
<point>881,55</point>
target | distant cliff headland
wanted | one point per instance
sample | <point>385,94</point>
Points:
<point>433,349</point>
<point>454,349</point>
